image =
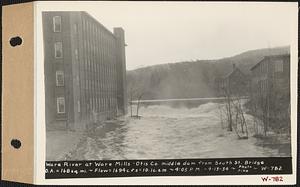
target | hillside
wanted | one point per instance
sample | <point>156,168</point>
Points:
<point>249,58</point>
<point>190,79</point>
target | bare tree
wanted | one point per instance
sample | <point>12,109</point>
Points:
<point>136,95</point>
<point>260,109</point>
<point>221,113</point>
<point>253,109</point>
<point>234,110</point>
<point>138,104</point>
<point>130,102</point>
<point>228,107</point>
<point>240,118</point>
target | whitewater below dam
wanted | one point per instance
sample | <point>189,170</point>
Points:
<point>164,132</point>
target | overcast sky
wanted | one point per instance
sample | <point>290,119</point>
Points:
<point>167,32</point>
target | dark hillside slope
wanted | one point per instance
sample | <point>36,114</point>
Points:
<point>191,79</point>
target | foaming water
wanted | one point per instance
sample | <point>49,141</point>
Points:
<point>164,132</point>
<point>179,112</point>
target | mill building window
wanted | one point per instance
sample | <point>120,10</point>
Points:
<point>75,28</point>
<point>60,78</point>
<point>76,54</point>
<point>60,105</point>
<point>278,66</point>
<point>78,106</point>
<point>58,50</point>
<point>57,24</point>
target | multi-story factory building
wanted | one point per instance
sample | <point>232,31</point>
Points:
<point>272,75</point>
<point>270,91</point>
<point>84,68</point>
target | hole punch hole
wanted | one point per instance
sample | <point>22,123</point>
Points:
<point>15,41</point>
<point>15,143</point>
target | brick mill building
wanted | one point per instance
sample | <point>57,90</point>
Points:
<point>84,68</point>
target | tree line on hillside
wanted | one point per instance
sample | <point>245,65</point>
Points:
<point>191,79</point>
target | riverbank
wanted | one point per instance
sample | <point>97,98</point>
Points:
<point>60,143</point>
<point>88,146</point>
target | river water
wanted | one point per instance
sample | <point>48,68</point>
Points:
<point>164,132</point>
